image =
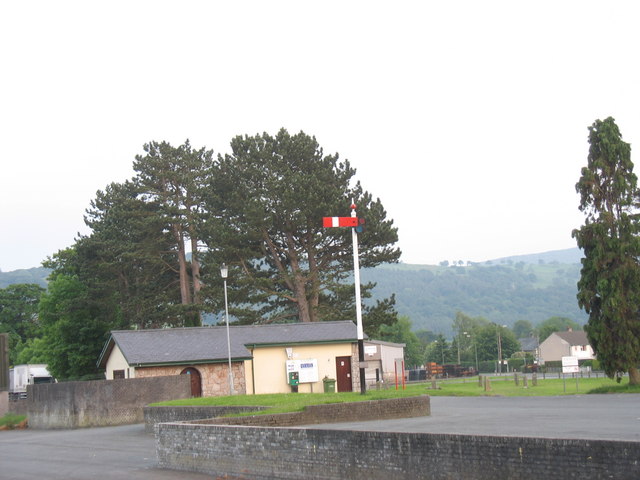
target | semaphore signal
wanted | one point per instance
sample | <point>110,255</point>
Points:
<point>357,225</point>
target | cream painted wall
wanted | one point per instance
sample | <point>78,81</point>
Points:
<point>116,361</point>
<point>270,366</point>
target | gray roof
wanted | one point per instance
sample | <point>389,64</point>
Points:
<point>209,344</point>
<point>528,344</point>
<point>578,337</point>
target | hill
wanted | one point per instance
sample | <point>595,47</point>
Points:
<point>568,255</point>
<point>31,275</point>
<point>502,293</point>
<point>525,287</point>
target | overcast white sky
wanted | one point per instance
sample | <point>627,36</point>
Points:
<point>468,119</point>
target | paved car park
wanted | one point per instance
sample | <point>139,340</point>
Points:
<point>605,417</point>
<point>128,452</point>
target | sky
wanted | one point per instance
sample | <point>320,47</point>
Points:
<point>467,119</point>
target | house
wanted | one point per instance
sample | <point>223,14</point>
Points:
<point>566,344</point>
<point>275,358</point>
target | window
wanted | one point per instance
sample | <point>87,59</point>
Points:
<point>117,374</point>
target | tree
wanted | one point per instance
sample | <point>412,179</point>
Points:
<point>73,332</point>
<point>555,324</point>
<point>522,328</point>
<point>128,262</point>
<point>400,332</point>
<point>19,315</point>
<point>381,315</point>
<point>174,179</point>
<point>439,351</point>
<point>609,286</point>
<point>465,330</point>
<point>490,338</point>
<point>270,195</point>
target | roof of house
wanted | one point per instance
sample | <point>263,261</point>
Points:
<point>528,344</point>
<point>209,344</point>
<point>577,337</point>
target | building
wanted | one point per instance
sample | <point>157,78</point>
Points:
<point>383,361</point>
<point>275,358</point>
<point>565,344</point>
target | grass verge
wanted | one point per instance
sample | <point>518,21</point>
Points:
<point>500,386</point>
<point>11,421</point>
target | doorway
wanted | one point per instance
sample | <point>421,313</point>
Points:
<point>343,374</point>
<point>196,381</point>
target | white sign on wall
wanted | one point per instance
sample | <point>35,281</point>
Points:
<point>570,365</point>
<point>307,369</point>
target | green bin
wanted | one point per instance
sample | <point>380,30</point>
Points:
<point>329,385</point>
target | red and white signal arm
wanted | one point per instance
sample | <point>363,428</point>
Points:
<point>328,222</point>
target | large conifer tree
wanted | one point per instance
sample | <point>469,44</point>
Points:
<point>270,195</point>
<point>609,287</point>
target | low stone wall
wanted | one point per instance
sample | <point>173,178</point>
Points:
<point>100,403</point>
<point>164,414</point>
<point>267,453</point>
<point>335,413</point>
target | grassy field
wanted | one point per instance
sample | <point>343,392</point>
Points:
<point>500,386</point>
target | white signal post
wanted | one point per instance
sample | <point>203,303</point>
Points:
<point>356,276</point>
<point>356,279</point>
<point>353,221</point>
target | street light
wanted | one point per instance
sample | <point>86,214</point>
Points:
<point>498,329</point>
<point>475,346</point>
<point>224,271</point>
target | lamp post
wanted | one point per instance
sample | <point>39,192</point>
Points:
<point>475,346</point>
<point>224,271</point>
<point>498,329</point>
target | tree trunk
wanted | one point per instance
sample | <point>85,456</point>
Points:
<point>185,293</point>
<point>634,376</point>
<point>195,270</point>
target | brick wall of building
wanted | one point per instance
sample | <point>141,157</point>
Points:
<point>214,376</point>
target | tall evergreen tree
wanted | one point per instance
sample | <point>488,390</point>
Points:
<point>271,194</point>
<point>128,260</point>
<point>174,178</point>
<point>609,287</point>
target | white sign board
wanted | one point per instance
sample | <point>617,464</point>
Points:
<point>370,349</point>
<point>307,369</point>
<point>570,365</point>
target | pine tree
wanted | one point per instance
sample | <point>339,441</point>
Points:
<point>271,194</point>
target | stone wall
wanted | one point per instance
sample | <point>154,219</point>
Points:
<point>214,376</point>
<point>100,403</point>
<point>265,453</point>
<point>164,414</point>
<point>334,413</point>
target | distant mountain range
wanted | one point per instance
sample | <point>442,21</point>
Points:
<point>523,287</point>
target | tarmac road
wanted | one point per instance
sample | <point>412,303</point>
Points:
<point>124,452</point>
<point>127,452</point>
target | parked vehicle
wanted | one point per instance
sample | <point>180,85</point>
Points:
<point>21,376</point>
